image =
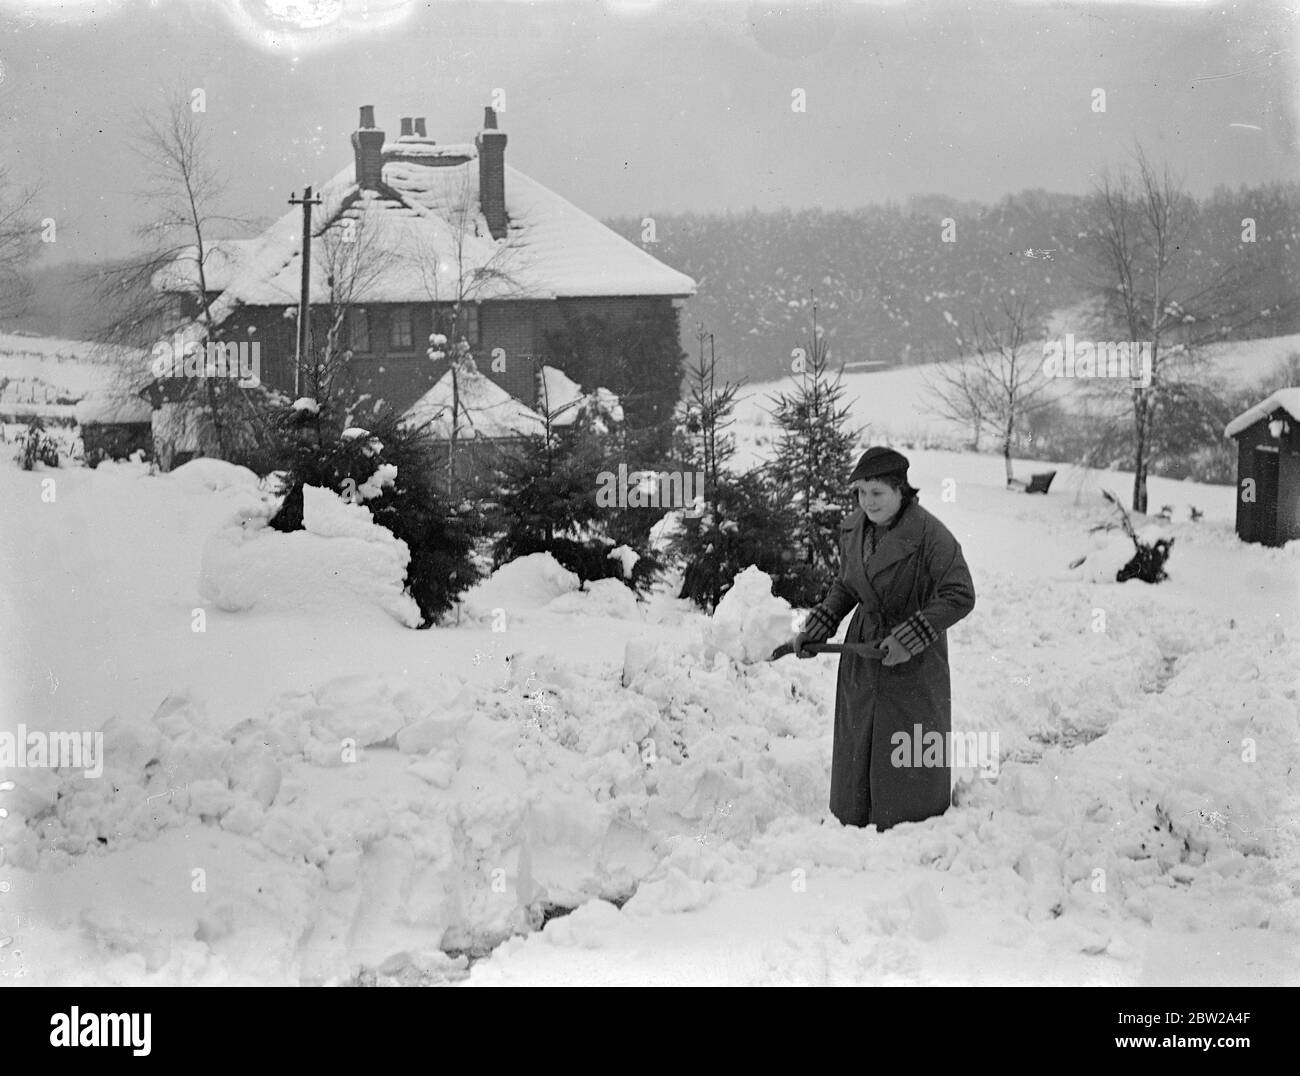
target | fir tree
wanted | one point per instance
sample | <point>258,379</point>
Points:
<point>742,519</point>
<point>705,416</point>
<point>547,498</point>
<point>813,456</point>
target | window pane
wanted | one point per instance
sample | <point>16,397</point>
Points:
<point>399,327</point>
<point>359,330</point>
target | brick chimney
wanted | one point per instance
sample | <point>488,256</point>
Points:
<point>367,147</point>
<point>491,145</point>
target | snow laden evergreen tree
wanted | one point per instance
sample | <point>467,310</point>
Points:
<point>736,520</point>
<point>547,499</point>
<point>814,454</point>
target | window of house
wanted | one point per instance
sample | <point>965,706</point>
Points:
<point>469,320</point>
<point>400,334</point>
<point>358,329</point>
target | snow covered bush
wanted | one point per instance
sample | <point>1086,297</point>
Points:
<point>391,469</point>
<point>36,446</point>
<point>338,557</point>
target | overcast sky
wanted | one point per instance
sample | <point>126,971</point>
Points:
<point>678,107</point>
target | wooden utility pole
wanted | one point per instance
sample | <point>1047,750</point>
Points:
<point>304,309</point>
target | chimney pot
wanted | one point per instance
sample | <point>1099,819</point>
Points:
<point>489,118</point>
<point>406,127</point>
<point>419,127</point>
<point>368,150</point>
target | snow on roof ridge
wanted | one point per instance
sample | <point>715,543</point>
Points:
<point>1287,399</point>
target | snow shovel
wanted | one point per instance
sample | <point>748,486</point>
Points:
<point>863,650</point>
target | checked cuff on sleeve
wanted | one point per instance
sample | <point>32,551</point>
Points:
<point>820,625</point>
<point>915,633</point>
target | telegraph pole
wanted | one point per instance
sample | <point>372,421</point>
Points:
<point>304,309</point>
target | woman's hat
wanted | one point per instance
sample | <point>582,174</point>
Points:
<point>879,461</point>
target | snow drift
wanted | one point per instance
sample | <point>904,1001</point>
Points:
<point>340,556</point>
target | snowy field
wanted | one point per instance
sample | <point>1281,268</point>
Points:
<point>47,376</point>
<point>307,791</point>
<point>896,405</point>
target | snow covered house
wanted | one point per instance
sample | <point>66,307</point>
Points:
<point>1268,469</point>
<point>417,237</point>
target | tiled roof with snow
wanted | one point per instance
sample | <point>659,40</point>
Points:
<point>112,408</point>
<point>1287,400</point>
<point>487,410</point>
<point>423,238</point>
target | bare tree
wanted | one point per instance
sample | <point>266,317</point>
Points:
<point>956,393</point>
<point>18,240</point>
<point>165,289</point>
<point>1154,288</point>
<point>997,378</point>
<point>351,258</point>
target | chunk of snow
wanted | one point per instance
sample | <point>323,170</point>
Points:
<point>385,475</point>
<point>339,562</point>
<point>627,558</point>
<point>214,474</point>
<point>603,597</point>
<point>527,583</point>
<point>750,622</point>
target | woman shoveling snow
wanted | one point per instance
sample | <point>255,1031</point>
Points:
<point>903,575</point>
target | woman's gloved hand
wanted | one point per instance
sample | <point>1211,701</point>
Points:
<point>895,652</point>
<point>799,640</point>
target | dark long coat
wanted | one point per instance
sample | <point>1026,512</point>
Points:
<point>917,568</point>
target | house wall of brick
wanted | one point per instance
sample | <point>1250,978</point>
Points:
<point>402,376</point>
<point>616,310</point>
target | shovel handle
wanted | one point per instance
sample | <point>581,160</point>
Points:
<point>863,650</point>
